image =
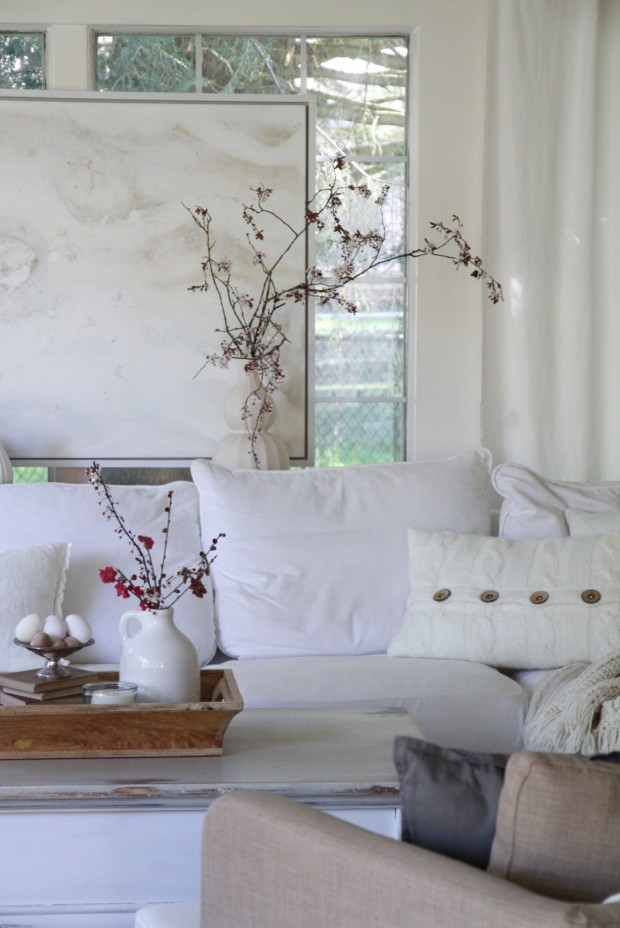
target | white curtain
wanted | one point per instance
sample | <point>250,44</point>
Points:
<point>551,377</point>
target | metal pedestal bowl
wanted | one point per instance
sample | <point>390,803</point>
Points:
<point>52,670</point>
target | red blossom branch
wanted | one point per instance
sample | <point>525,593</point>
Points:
<point>152,587</point>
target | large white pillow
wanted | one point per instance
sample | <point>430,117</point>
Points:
<point>48,512</point>
<point>527,604</point>
<point>315,561</point>
<point>534,507</point>
<point>31,580</point>
<point>581,522</point>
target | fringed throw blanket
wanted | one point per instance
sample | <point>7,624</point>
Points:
<point>576,710</point>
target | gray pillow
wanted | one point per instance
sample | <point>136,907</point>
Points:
<point>449,798</point>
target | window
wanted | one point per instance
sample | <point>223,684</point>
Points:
<point>360,84</point>
<point>22,61</point>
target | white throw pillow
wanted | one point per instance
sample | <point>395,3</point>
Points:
<point>31,580</point>
<point>534,507</point>
<point>48,512</point>
<point>519,604</point>
<point>580,522</point>
<point>315,561</point>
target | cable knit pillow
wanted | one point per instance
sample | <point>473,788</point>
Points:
<point>31,580</point>
<point>520,604</point>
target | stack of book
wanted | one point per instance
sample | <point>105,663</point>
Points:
<point>25,688</point>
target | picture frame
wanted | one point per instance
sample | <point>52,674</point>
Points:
<point>102,343</point>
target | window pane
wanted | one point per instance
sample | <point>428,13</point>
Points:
<point>22,61</point>
<point>250,64</point>
<point>30,475</point>
<point>363,355</point>
<point>149,63</point>
<point>359,433</point>
<point>361,84</point>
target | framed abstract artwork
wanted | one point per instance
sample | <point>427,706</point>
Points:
<point>102,343</point>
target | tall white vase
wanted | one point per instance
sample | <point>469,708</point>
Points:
<point>159,658</point>
<point>235,450</point>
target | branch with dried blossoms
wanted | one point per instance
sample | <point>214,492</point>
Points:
<point>251,330</point>
<point>151,586</point>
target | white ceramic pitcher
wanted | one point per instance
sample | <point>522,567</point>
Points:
<point>159,658</point>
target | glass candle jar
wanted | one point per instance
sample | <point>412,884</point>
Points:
<point>109,694</point>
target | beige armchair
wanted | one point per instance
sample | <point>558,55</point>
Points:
<point>270,862</point>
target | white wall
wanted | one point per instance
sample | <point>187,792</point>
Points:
<point>452,38</point>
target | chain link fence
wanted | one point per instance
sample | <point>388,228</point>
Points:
<point>360,407</point>
<point>359,433</point>
<point>30,475</point>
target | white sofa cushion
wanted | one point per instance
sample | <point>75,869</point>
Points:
<point>31,580</point>
<point>535,507</point>
<point>315,561</point>
<point>169,915</point>
<point>458,704</point>
<point>525,604</point>
<point>49,512</point>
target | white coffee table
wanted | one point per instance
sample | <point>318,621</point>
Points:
<point>84,843</point>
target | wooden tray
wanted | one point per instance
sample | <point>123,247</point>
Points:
<point>139,730</point>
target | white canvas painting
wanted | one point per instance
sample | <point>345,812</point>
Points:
<point>101,342</point>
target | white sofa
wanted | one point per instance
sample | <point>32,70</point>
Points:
<point>311,581</point>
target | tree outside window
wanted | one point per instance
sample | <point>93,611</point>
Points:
<point>22,61</point>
